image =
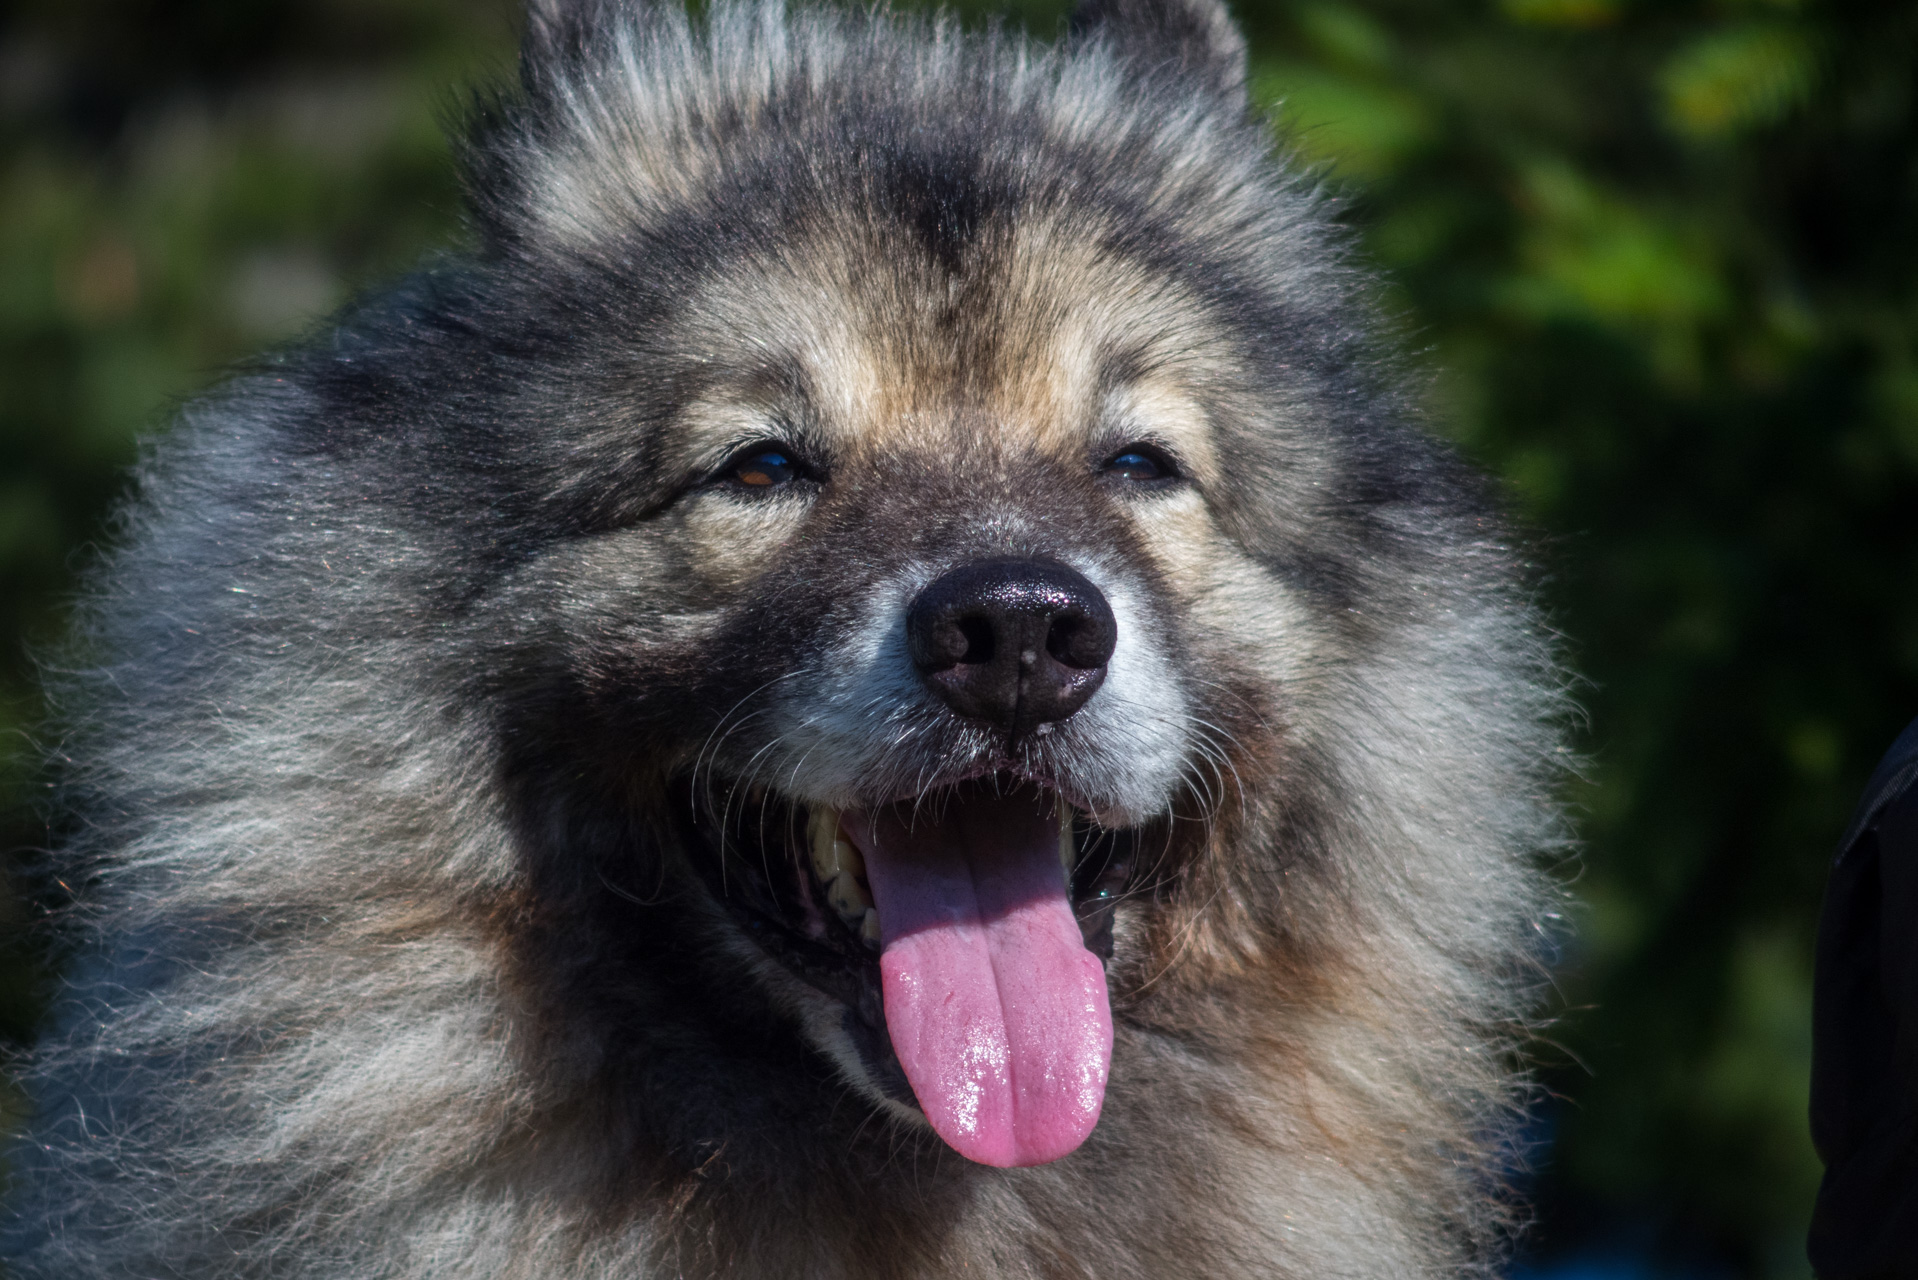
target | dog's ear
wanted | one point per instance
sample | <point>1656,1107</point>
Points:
<point>1196,36</point>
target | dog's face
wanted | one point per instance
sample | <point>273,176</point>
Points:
<point>941,603</point>
<point>959,501</point>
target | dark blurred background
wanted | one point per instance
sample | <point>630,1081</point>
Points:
<point>1661,255</point>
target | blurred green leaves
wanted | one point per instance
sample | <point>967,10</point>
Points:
<point>1339,101</point>
<point>1560,13</point>
<point>1739,78</point>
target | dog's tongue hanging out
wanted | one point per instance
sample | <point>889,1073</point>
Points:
<point>997,1011</point>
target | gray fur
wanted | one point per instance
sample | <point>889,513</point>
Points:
<point>391,961</point>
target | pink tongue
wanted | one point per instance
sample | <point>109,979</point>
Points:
<point>997,1011</point>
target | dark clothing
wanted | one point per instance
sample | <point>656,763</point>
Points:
<point>1864,1071</point>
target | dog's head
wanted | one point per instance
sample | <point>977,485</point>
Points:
<point>958,466</point>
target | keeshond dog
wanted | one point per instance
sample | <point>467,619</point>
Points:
<point>879,681</point>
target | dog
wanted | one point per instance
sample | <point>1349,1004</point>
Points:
<point>880,679</point>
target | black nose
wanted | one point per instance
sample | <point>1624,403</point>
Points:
<point>1012,642</point>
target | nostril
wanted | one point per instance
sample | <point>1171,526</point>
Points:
<point>1059,639</point>
<point>1078,642</point>
<point>978,637</point>
<point>942,643</point>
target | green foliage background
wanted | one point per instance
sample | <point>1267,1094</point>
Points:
<point>1661,257</point>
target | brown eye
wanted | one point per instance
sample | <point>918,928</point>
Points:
<point>1140,464</point>
<point>764,469</point>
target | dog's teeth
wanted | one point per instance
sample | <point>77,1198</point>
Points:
<point>821,834</point>
<point>832,853</point>
<point>869,928</point>
<point>1068,850</point>
<point>840,868</point>
<point>848,898</point>
<point>848,858</point>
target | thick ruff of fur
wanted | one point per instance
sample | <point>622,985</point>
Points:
<point>395,957</point>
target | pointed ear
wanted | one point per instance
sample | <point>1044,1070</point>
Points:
<point>1198,37</point>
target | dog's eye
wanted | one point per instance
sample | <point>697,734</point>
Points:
<point>1139,463</point>
<point>762,467</point>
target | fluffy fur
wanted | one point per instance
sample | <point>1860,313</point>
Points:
<point>397,961</point>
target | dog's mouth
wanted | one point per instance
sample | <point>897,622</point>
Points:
<point>965,933</point>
